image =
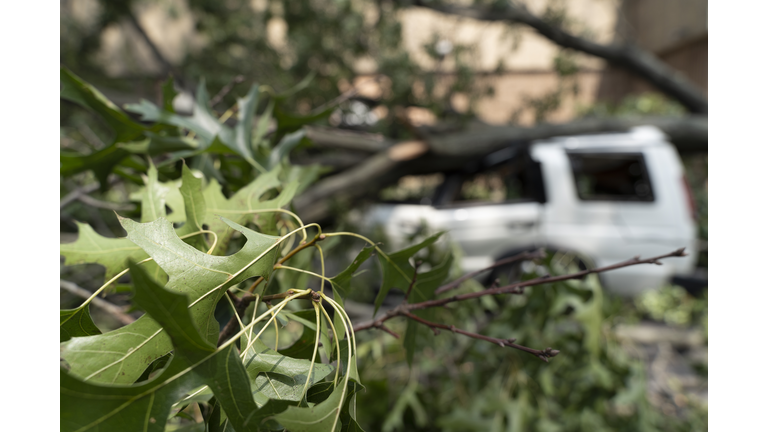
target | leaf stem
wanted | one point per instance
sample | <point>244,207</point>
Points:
<point>323,278</point>
<point>322,266</point>
<point>215,238</point>
<point>108,283</point>
<point>314,350</point>
<point>375,246</point>
<point>274,313</point>
<point>277,243</point>
<point>352,346</point>
<point>288,256</point>
<point>338,346</point>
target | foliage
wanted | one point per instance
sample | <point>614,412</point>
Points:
<point>192,250</point>
<point>277,42</point>
<point>673,305</point>
<point>648,103</point>
<point>204,236</point>
<point>464,384</point>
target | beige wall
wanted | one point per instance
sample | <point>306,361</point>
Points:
<point>675,30</point>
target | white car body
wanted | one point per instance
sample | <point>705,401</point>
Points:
<point>604,231</point>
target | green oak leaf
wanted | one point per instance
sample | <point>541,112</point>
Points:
<point>423,290</point>
<point>305,345</point>
<point>76,322</point>
<point>169,94</point>
<point>241,206</point>
<point>78,91</point>
<point>341,282</point>
<point>121,356</point>
<point>90,407</point>
<point>321,417</point>
<point>102,161</point>
<point>91,247</point>
<point>398,272</point>
<point>194,208</point>
<point>281,150</point>
<point>153,196</point>
<point>277,376</point>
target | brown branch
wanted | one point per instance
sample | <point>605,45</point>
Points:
<point>288,256</point>
<point>455,150</point>
<point>542,354</point>
<point>516,288</point>
<point>413,281</point>
<point>242,303</point>
<point>629,57</point>
<point>102,304</point>
<point>225,90</point>
<point>164,63</point>
<point>93,202</point>
<point>539,254</point>
<point>405,309</point>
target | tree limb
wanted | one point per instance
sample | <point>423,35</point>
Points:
<point>688,133</point>
<point>455,149</point>
<point>629,57</point>
<point>111,309</point>
<point>516,288</point>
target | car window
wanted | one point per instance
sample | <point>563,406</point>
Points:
<point>494,185</point>
<point>412,189</point>
<point>611,176</point>
<point>517,179</point>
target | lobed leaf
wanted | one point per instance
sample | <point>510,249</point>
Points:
<point>111,253</point>
<point>122,355</point>
<point>76,322</point>
<point>241,206</point>
<point>398,271</point>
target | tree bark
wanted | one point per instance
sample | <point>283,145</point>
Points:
<point>629,57</point>
<point>456,150</point>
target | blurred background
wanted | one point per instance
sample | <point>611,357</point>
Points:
<point>407,103</point>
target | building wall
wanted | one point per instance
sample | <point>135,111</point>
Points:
<point>674,30</point>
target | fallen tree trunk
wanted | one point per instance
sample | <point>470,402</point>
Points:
<point>688,134</point>
<point>456,150</point>
<point>629,57</point>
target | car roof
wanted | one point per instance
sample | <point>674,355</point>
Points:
<point>644,136</point>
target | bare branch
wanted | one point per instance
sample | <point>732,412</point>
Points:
<point>225,90</point>
<point>93,202</point>
<point>519,257</point>
<point>455,150</point>
<point>630,57</point>
<point>413,281</point>
<point>516,288</point>
<point>346,140</point>
<point>687,133</point>
<point>542,354</point>
<point>106,306</point>
<point>405,309</point>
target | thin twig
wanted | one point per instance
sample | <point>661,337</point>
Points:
<point>225,90</point>
<point>93,202</point>
<point>344,96</point>
<point>405,309</point>
<point>516,288</point>
<point>77,193</point>
<point>242,303</point>
<point>84,190</point>
<point>542,354</point>
<point>240,306</point>
<point>388,330</point>
<point>413,281</point>
<point>539,254</point>
<point>108,307</point>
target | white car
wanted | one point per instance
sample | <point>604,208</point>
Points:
<point>606,198</point>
